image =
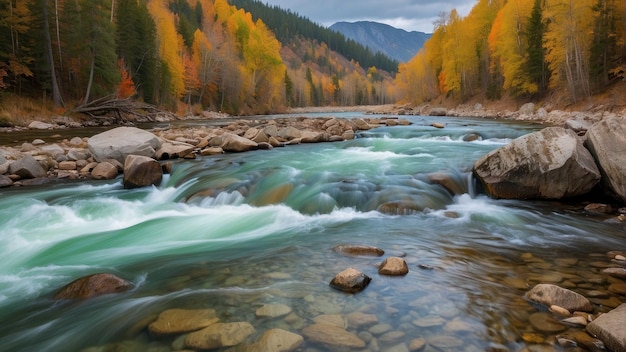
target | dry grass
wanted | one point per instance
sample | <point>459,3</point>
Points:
<point>21,111</point>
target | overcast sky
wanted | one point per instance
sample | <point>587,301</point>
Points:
<point>411,15</point>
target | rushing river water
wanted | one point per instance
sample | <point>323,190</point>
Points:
<point>237,231</point>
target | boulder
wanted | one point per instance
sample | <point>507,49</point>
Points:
<point>178,321</point>
<point>579,126</point>
<point>527,109</point>
<point>67,165</point>
<point>92,286</point>
<point>38,125</point>
<point>289,133</point>
<point>549,164</point>
<point>350,280</point>
<point>219,335</point>
<point>607,142</point>
<point>27,167</point>
<point>393,266</point>
<point>211,151</point>
<point>611,328</point>
<point>5,181</point>
<point>356,249</point>
<point>54,150</point>
<point>549,295</point>
<point>438,111</point>
<point>120,142</point>
<point>332,335</point>
<point>173,150</point>
<point>104,171</point>
<point>141,171</point>
<point>234,143</point>
<point>276,340</point>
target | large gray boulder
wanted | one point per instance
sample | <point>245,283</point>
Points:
<point>611,328</point>
<point>234,143</point>
<point>607,142</point>
<point>548,164</point>
<point>120,142</point>
<point>548,295</point>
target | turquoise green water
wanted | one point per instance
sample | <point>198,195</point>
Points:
<point>234,232</point>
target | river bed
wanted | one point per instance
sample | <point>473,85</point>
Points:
<point>237,231</point>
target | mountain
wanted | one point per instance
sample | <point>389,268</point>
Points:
<point>395,43</point>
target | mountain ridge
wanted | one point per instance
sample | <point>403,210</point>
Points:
<point>395,43</point>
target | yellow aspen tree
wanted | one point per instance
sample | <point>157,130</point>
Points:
<point>508,44</point>
<point>170,45</point>
<point>567,43</point>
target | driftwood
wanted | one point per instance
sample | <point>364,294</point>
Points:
<point>122,110</point>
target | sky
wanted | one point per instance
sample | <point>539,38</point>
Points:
<point>410,15</point>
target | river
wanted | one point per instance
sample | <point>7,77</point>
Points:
<point>237,231</point>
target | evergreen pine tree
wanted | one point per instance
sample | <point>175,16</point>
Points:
<point>536,64</point>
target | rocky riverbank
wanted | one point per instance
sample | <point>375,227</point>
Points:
<point>104,156</point>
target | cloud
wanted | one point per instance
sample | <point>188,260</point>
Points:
<point>411,15</point>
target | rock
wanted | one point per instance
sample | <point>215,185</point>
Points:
<point>549,164</point>
<point>618,288</point>
<point>38,125</point>
<point>234,143</point>
<point>527,109</point>
<point>273,311</point>
<point>615,272</point>
<point>606,141</point>
<point>359,319</point>
<point>277,340</point>
<point>448,182</point>
<point>350,280</point>
<point>76,154</point>
<point>27,167</point>
<point>558,310</point>
<point>141,171</point>
<point>393,266</point>
<point>417,344</point>
<point>578,126</point>
<point>348,135</point>
<point>5,181</point>
<point>38,142</point>
<point>289,133</point>
<point>212,151</point>
<point>598,208</point>
<point>355,249</point>
<point>576,321</point>
<point>103,171</point>
<point>76,141</point>
<point>611,328</point>
<point>445,343</point>
<point>549,295</point>
<point>54,150</point>
<point>331,335</point>
<point>120,142</point>
<point>219,335</point>
<point>544,322</point>
<point>92,286</point>
<point>173,150</point>
<point>67,165</point>
<point>437,125</point>
<point>332,319</point>
<point>177,321</point>
<point>438,111</point>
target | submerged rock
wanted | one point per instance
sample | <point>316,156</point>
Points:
<point>177,321</point>
<point>219,335</point>
<point>357,249</point>
<point>332,335</point>
<point>276,340</point>
<point>350,280</point>
<point>549,164</point>
<point>549,295</point>
<point>92,286</point>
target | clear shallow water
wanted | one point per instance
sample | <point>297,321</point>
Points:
<point>237,231</point>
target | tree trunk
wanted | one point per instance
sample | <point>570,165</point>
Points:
<point>91,69</point>
<point>56,92</point>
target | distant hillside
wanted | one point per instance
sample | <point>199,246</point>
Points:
<point>288,26</point>
<point>395,43</point>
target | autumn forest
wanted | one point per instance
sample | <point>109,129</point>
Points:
<point>244,57</point>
